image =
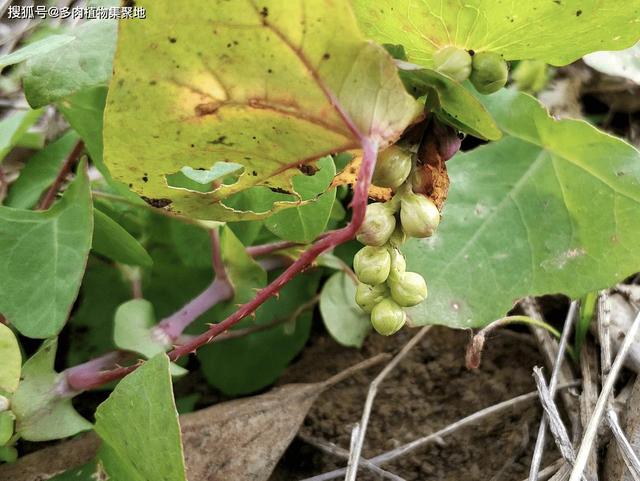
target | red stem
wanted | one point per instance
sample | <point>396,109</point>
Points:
<point>50,196</point>
<point>330,241</point>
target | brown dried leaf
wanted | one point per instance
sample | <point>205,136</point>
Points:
<point>241,439</point>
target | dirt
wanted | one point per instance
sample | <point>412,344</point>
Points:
<point>430,389</point>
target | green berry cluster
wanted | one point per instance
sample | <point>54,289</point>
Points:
<point>386,287</point>
<point>487,71</point>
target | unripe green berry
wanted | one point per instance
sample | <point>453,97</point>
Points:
<point>419,215</point>
<point>392,168</point>
<point>489,73</point>
<point>453,62</point>
<point>398,263</point>
<point>372,265</point>
<point>8,454</point>
<point>379,223</point>
<point>367,297</point>
<point>398,237</point>
<point>7,420</point>
<point>388,317</point>
<point>409,289</point>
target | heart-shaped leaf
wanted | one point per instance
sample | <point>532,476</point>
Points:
<point>44,256</point>
<point>272,86</point>
<point>557,32</point>
<point>552,207</point>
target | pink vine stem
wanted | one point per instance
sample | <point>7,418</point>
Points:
<point>200,303</point>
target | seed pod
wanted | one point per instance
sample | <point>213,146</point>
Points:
<point>398,264</point>
<point>408,289</point>
<point>392,168</point>
<point>367,297</point>
<point>453,62</point>
<point>419,215</point>
<point>489,73</point>
<point>379,223</point>
<point>388,317</point>
<point>372,265</point>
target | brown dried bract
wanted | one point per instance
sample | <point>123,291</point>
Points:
<point>349,175</point>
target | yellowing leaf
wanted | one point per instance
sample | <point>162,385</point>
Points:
<point>272,86</point>
<point>555,31</point>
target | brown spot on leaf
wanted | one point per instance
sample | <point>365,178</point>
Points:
<point>159,203</point>
<point>207,108</point>
<point>222,140</point>
<point>307,169</point>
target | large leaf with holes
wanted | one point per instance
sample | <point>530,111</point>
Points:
<point>555,31</point>
<point>272,86</point>
<point>552,207</point>
<point>43,258</point>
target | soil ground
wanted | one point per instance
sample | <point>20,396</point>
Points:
<point>430,389</point>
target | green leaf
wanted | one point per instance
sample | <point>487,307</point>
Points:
<point>40,47</point>
<point>252,362</point>
<point>557,32</point>
<point>46,253</point>
<point>265,95</point>
<point>41,414</point>
<point>622,63</point>
<point>552,207</point>
<point>113,241</point>
<point>91,325</point>
<point>303,224</point>
<point>83,63</point>
<point>454,103</point>
<point>139,427</point>
<point>218,171</point>
<point>13,127</point>
<point>588,305</point>
<point>11,360</point>
<point>345,321</point>
<point>133,331</point>
<point>40,172</point>
<point>32,140</point>
<point>133,322</point>
<point>84,112</point>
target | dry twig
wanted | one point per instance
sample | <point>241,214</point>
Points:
<point>356,451</point>
<point>555,376</point>
<point>603,401</point>
<point>450,429</point>
<point>628,455</point>
<point>335,450</point>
